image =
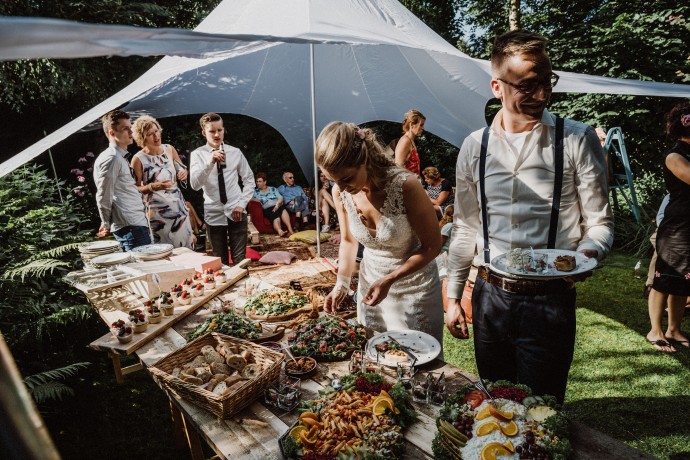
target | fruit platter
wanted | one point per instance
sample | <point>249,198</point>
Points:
<point>327,338</point>
<point>360,417</point>
<point>514,425</point>
<point>277,305</point>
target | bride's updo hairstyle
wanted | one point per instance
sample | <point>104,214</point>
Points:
<point>345,145</point>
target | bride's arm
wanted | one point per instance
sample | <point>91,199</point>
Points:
<point>347,255</point>
<point>424,223</point>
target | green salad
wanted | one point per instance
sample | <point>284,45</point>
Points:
<point>229,323</point>
<point>275,302</point>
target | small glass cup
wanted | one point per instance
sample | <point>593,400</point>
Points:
<point>405,372</point>
<point>355,362</point>
<point>436,390</point>
<point>371,365</point>
<point>420,388</point>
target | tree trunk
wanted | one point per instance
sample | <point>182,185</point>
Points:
<point>514,14</point>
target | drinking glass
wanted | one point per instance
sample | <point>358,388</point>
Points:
<point>436,390</point>
<point>355,362</point>
<point>419,387</point>
<point>405,372</point>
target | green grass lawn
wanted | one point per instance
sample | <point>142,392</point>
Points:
<point>618,383</point>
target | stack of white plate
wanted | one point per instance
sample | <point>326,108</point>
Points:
<point>152,252</point>
<point>96,249</point>
<point>108,260</point>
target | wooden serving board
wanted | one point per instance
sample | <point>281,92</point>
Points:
<point>115,303</point>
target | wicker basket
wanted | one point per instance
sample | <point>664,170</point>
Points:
<point>222,406</point>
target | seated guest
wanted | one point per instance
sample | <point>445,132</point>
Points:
<point>296,201</point>
<point>272,203</point>
<point>329,217</point>
<point>440,190</point>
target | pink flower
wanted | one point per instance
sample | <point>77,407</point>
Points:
<point>657,275</point>
<point>89,169</point>
<point>82,160</point>
<point>90,155</point>
<point>81,179</point>
<point>687,276</point>
<point>76,171</point>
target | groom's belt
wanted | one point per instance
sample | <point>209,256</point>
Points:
<point>524,286</point>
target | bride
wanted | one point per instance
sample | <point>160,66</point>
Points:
<point>386,209</point>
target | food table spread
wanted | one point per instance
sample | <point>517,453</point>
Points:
<point>254,431</point>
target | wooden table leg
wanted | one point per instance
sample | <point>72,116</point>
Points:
<point>193,440</point>
<point>116,367</point>
<point>178,425</point>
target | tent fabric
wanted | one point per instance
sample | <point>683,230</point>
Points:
<point>372,60</point>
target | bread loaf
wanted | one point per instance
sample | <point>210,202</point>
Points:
<point>191,379</point>
<point>204,373</point>
<point>234,387</point>
<point>213,357</point>
<point>220,388</point>
<point>220,368</point>
<point>236,362</point>
<point>251,371</point>
<point>248,356</point>
<point>206,348</point>
<point>234,379</point>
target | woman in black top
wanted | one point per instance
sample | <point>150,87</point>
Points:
<point>672,271</point>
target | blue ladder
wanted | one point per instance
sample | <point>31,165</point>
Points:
<point>620,179</point>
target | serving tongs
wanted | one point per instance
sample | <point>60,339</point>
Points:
<point>411,356</point>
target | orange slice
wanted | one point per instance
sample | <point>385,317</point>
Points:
<point>298,430</point>
<point>384,394</point>
<point>494,449</point>
<point>511,429</point>
<point>305,440</point>
<point>499,414</point>
<point>380,406</point>
<point>485,412</point>
<point>487,428</point>
<point>309,415</point>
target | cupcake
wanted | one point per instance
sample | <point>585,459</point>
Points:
<point>184,298</point>
<point>209,283</point>
<point>198,290</point>
<point>122,331</point>
<point>220,277</point>
<point>187,285</point>
<point>168,307</point>
<point>155,315</point>
<point>138,320</point>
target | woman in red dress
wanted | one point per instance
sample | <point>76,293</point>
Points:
<point>406,155</point>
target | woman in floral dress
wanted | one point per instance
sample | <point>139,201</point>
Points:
<point>157,169</point>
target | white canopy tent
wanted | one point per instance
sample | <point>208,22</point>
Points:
<point>297,65</point>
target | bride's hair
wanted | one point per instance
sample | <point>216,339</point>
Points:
<point>345,145</point>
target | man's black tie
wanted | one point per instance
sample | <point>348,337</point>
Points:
<point>221,184</point>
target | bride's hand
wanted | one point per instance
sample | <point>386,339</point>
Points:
<point>333,299</point>
<point>377,292</point>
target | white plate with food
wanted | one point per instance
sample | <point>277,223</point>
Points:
<point>542,263</point>
<point>422,345</point>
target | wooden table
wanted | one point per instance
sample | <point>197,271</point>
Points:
<point>114,303</point>
<point>236,439</point>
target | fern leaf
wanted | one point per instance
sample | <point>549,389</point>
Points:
<point>36,268</point>
<point>61,373</point>
<point>57,252</point>
<point>50,391</point>
<point>71,314</point>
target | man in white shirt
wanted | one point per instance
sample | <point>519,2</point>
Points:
<point>119,202</point>
<point>216,167</point>
<point>534,195</point>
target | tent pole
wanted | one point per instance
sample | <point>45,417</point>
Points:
<point>52,163</point>
<point>313,134</point>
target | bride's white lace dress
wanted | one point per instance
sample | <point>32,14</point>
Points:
<point>413,302</point>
